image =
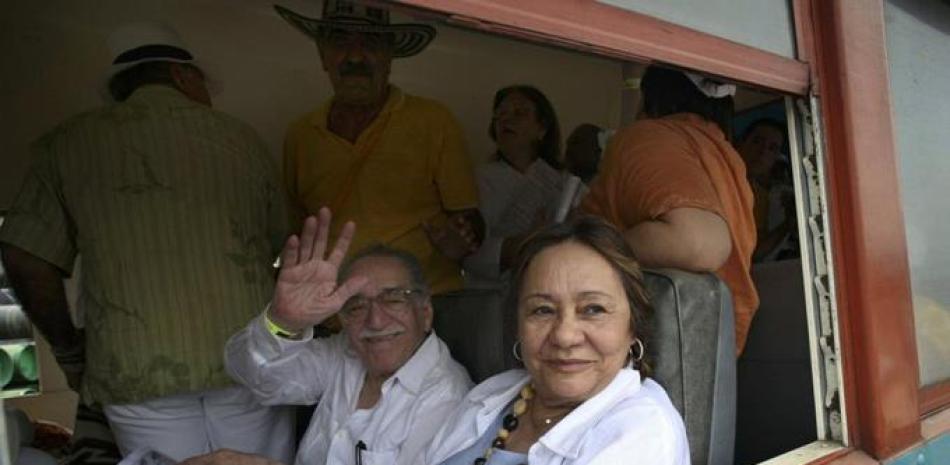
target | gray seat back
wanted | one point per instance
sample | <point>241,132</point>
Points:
<point>694,347</point>
<point>776,405</point>
<point>475,326</point>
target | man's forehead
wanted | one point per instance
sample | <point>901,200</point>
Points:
<point>382,271</point>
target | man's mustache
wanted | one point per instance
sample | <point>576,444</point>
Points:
<point>392,330</point>
<point>355,69</point>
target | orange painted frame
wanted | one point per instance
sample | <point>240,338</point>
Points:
<point>611,31</point>
<point>870,249</point>
<point>935,397</point>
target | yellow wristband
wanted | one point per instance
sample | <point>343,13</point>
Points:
<point>276,330</point>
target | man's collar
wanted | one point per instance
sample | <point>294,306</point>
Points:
<point>157,92</point>
<point>394,101</point>
<point>414,371</point>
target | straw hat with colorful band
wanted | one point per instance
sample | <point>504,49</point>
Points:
<point>409,39</point>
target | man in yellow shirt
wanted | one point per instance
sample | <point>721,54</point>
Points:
<point>393,163</point>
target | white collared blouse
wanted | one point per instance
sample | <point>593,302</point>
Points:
<point>511,203</point>
<point>415,401</point>
<point>628,423</point>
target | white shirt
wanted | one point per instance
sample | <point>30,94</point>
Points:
<point>511,203</point>
<point>414,403</point>
<point>628,423</point>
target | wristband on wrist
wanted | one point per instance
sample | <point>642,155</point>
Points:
<point>276,330</point>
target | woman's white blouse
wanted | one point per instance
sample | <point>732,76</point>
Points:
<point>629,423</point>
<point>511,203</point>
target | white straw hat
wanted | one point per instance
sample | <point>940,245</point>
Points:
<point>142,42</point>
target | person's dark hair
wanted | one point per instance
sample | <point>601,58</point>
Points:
<point>549,149</point>
<point>123,83</point>
<point>769,123</point>
<point>584,167</point>
<point>587,127</point>
<point>407,260</point>
<point>668,91</point>
<point>604,238</point>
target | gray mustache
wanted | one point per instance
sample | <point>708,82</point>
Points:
<point>368,333</point>
<point>356,69</point>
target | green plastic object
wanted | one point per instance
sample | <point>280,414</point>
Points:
<point>6,369</point>
<point>25,363</point>
<point>22,360</point>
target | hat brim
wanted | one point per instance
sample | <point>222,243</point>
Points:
<point>212,82</point>
<point>409,39</point>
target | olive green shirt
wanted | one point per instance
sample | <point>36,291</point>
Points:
<point>177,215</point>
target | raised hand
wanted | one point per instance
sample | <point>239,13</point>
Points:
<point>307,292</point>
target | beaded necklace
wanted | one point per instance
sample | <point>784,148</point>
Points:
<point>508,424</point>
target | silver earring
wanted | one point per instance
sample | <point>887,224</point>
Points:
<point>515,350</point>
<point>636,357</point>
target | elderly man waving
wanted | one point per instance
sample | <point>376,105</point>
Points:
<point>384,385</point>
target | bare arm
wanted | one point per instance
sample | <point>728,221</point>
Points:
<point>39,287</point>
<point>690,239</point>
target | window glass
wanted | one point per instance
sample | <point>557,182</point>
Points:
<point>764,24</point>
<point>918,52</point>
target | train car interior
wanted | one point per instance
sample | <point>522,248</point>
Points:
<point>737,410</point>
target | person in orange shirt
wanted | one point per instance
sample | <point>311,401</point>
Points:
<point>675,186</point>
<point>393,163</point>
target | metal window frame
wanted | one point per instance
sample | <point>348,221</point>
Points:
<point>818,277</point>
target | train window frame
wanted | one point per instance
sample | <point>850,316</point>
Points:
<point>823,79</point>
<point>835,90</point>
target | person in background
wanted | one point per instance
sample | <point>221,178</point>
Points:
<point>521,186</point>
<point>383,386</point>
<point>585,395</point>
<point>394,163</point>
<point>176,212</point>
<point>675,186</point>
<point>768,173</point>
<point>584,149</point>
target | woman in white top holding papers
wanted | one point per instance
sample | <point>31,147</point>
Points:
<point>520,189</point>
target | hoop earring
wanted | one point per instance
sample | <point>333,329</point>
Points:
<point>638,356</point>
<point>515,350</point>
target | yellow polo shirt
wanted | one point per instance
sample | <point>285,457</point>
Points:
<point>415,168</point>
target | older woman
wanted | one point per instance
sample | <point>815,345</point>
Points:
<point>520,188</point>
<point>585,396</point>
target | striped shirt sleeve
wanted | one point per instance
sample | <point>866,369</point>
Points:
<point>38,222</point>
